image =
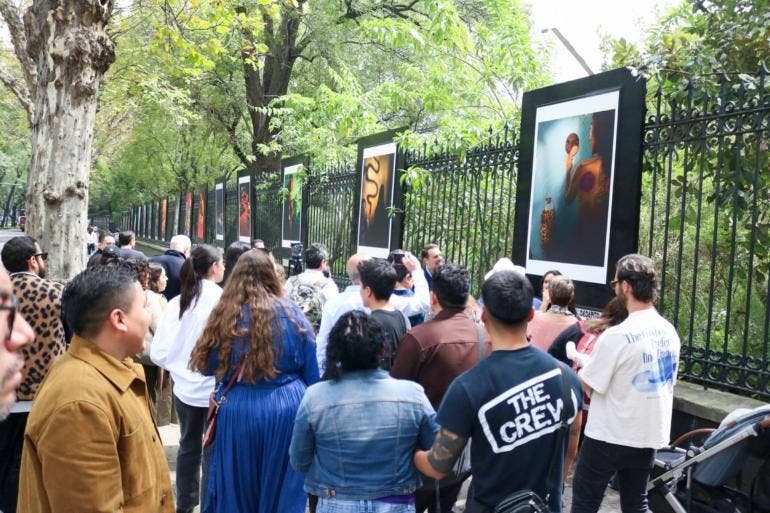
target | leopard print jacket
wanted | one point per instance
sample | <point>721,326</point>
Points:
<point>40,304</point>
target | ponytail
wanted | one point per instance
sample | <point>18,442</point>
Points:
<point>194,269</point>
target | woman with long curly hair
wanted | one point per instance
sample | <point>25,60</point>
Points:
<point>262,337</point>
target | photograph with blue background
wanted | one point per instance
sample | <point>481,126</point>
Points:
<point>571,182</point>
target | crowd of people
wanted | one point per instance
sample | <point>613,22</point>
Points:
<point>292,395</point>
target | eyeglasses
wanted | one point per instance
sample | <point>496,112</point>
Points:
<point>44,256</point>
<point>11,309</point>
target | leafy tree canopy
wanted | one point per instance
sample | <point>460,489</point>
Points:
<point>204,87</point>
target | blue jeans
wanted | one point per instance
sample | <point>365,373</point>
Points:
<point>597,462</point>
<point>330,505</point>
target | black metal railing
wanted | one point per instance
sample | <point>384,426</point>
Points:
<point>705,218</point>
<point>706,223</point>
<point>463,203</point>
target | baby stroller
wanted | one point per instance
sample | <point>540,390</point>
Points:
<point>728,473</point>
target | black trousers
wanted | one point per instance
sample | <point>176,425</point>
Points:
<point>597,462</point>
<point>191,459</point>
<point>11,443</point>
<point>425,497</point>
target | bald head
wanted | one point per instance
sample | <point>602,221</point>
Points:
<point>352,267</point>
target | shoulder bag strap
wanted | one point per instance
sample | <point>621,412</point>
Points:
<point>233,379</point>
<point>563,428</point>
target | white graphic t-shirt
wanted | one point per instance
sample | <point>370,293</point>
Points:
<point>632,372</point>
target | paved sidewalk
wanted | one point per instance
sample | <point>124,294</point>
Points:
<point>170,436</point>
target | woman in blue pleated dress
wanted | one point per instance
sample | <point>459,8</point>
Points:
<point>258,333</point>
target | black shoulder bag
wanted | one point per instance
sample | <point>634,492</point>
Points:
<point>527,501</point>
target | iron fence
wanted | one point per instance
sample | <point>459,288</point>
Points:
<point>706,223</point>
<point>705,218</point>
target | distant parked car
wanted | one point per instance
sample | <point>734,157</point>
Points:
<point>22,222</point>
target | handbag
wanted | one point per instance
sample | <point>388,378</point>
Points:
<point>527,501</point>
<point>214,405</point>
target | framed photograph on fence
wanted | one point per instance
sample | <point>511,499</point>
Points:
<point>174,212</point>
<point>200,225</point>
<point>188,202</point>
<point>163,217</point>
<point>293,177</point>
<point>244,206</point>
<point>155,209</point>
<point>379,198</point>
<point>219,210</point>
<point>577,208</point>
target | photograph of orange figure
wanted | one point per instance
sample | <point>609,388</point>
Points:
<point>200,226</point>
<point>244,208</point>
<point>188,212</point>
<point>376,199</point>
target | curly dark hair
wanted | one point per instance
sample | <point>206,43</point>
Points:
<point>142,267</point>
<point>232,254</point>
<point>355,343</point>
<point>451,284</point>
<point>156,270</point>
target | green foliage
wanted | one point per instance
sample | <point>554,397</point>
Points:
<point>700,39</point>
<point>704,204</point>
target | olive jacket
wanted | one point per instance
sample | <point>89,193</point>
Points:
<point>91,444</point>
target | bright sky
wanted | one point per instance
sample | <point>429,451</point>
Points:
<point>582,22</point>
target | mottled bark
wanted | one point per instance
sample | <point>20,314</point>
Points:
<point>69,42</point>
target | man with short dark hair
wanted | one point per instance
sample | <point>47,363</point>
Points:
<point>91,443</point>
<point>431,259</point>
<point>315,275</point>
<point>172,260</point>
<point>378,279</point>
<point>435,353</point>
<point>510,404</point>
<point>630,376</point>
<point>126,243</point>
<point>106,240</point>
<point>39,301</point>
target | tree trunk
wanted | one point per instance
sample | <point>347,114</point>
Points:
<point>7,208</point>
<point>69,42</point>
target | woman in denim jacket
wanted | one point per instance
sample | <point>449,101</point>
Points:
<point>355,433</point>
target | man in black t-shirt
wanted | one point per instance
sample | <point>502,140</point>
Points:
<point>378,279</point>
<point>510,405</point>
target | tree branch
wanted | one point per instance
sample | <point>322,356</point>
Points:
<point>13,19</point>
<point>19,90</point>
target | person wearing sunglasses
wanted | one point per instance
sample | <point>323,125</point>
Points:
<point>39,301</point>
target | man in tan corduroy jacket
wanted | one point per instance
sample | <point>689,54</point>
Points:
<point>91,444</point>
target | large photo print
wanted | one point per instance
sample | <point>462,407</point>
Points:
<point>200,226</point>
<point>571,190</point>
<point>292,205</point>
<point>244,209</point>
<point>219,209</point>
<point>188,200</point>
<point>377,190</point>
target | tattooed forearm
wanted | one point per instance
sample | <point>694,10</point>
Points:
<point>445,451</point>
